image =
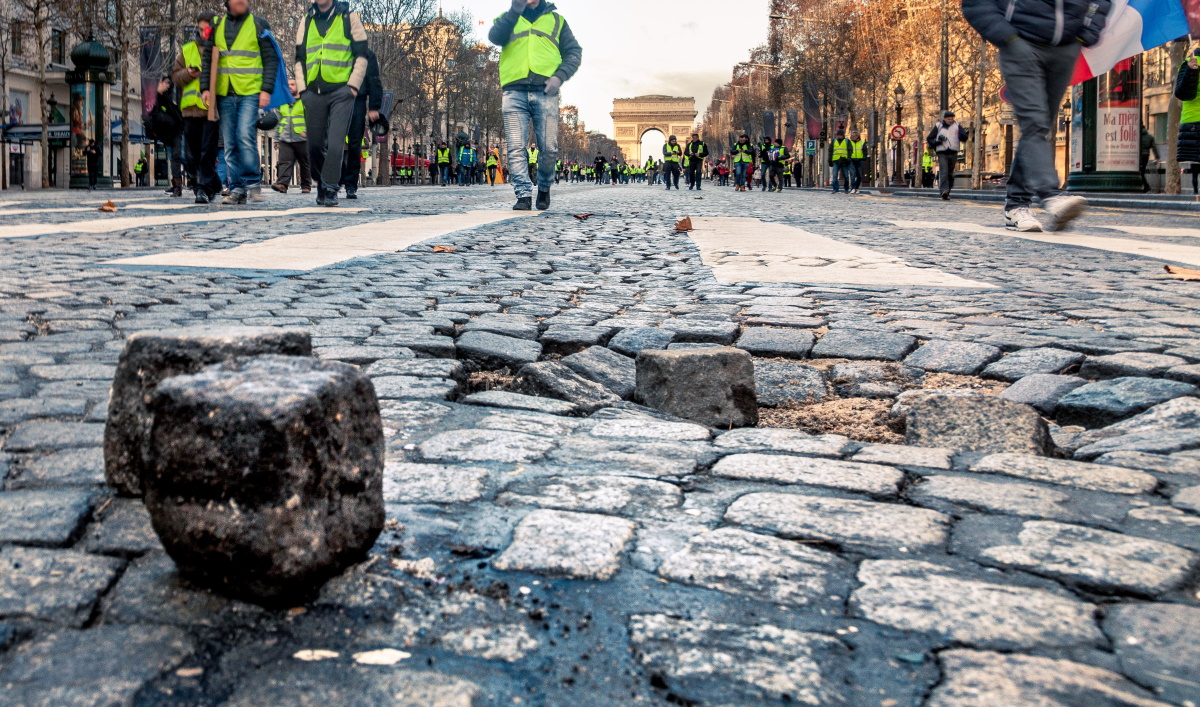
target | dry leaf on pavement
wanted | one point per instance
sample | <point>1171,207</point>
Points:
<point>1183,273</point>
<point>683,225</point>
<point>444,249</point>
<point>315,654</point>
<point>108,206</point>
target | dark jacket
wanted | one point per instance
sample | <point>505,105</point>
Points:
<point>371,92</point>
<point>1052,22</point>
<point>232,26</point>
<point>1187,81</point>
<point>572,53</point>
<point>166,120</point>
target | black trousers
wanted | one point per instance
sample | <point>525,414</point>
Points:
<point>327,116</point>
<point>671,174</point>
<point>200,137</point>
<point>290,155</point>
<point>693,176</point>
<point>352,158</point>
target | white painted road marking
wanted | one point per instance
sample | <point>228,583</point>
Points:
<point>1150,249</point>
<point>307,251</point>
<point>78,209</point>
<point>123,224</point>
<point>750,250</point>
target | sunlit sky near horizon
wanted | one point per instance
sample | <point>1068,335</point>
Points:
<point>643,47</point>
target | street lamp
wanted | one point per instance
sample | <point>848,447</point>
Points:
<point>897,177</point>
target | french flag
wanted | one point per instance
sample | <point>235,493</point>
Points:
<point>1133,27</point>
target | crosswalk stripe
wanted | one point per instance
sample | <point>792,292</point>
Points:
<point>123,224</point>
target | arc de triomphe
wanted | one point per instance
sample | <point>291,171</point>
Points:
<point>634,117</point>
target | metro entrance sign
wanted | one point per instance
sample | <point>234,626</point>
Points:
<point>899,132</point>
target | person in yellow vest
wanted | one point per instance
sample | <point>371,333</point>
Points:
<point>493,163</point>
<point>1187,90</point>
<point>441,156</point>
<point>245,79</point>
<point>199,133</point>
<point>743,162</point>
<point>539,54</point>
<point>839,161</point>
<point>532,154</point>
<point>928,162</point>
<point>291,144</point>
<point>331,66</point>
<point>858,158</point>
<point>672,156</point>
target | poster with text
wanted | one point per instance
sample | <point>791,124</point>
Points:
<point>1119,117</point>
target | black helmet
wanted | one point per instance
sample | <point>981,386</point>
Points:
<point>267,120</point>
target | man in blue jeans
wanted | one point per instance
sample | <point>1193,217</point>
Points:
<point>245,80</point>
<point>539,54</point>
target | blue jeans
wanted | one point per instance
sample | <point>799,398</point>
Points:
<point>464,174</point>
<point>238,117</point>
<point>518,108</point>
<point>222,169</point>
<point>444,172</point>
<point>856,173</point>
<point>843,168</point>
<point>739,173</point>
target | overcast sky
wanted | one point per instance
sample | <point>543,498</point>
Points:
<point>640,47</point>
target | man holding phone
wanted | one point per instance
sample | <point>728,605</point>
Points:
<point>1039,45</point>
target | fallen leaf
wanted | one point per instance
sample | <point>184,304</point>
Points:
<point>108,206</point>
<point>444,249</point>
<point>189,672</point>
<point>683,225</point>
<point>315,654</point>
<point>383,656</point>
<point>1183,273</point>
<point>582,217</point>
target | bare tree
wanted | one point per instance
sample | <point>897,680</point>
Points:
<point>41,16</point>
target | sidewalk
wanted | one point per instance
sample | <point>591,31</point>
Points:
<point>1169,202</point>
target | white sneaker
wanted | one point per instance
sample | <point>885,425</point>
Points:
<point>1022,219</point>
<point>1063,210</point>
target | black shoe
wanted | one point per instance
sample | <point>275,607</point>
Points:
<point>351,193</point>
<point>331,198</point>
<point>524,203</point>
<point>320,196</point>
<point>945,196</point>
<point>202,198</point>
<point>543,200</point>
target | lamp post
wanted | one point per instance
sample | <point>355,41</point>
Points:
<point>898,158</point>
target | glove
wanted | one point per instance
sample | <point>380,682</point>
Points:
<point>518,6</point>
<point>552,85</point>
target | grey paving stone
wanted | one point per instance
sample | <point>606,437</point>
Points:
<point>912,595</point>
<point>492,351</point>
<point>433,483</point>
<point>713,387</point>
<point>421,368</point>
<point>780,343</point>
<point>43,518</point>
<point>421,346</point>
<point>696,331</point>
<point>992,496</point>
<point>1027,362</point>
<point>1185,374</point>
<point>860,344</point>
<point>52,436</point>
<point>551,379</point>
<point>977,424</point>
<point>1096,559</point>
<point>1094,477</point>
<point>873,380</point>
<point>406,387</point>
<point>1102,346</point>
<point>1156,645</point>
<point>151,591</point>
<point>59,586</point>
<point>873,479</point>
<point>468,308</point>
<point>21,409</point>
<point>530,423</point>
<point>757,439</point>
<point>647,428</point>
<point>1128,364</point>
<point>634,457</point>
<point>781,383</point>
<point>123,528</point>
<point>958,357</point>
<point>508,325</point>
<point>740,665</point>
<point>1105,402</point>
<point>620,495</point>
<point>566,340</point>
<point>614,371</point>
<point>105,665</point>
<point>1187,499</point>
<point>560,543</point>
<point>986,678</point>
<point>785,320</point>
<point>361,355</point>
<point>903,455</point>
<point>516,401</point>
<point>1041,391</point>
<point>485,446</point>
<point>292,682</point>
<point>858,526</point>
<point>630,341</point>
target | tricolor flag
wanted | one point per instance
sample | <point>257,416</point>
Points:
<point>1133,26</point>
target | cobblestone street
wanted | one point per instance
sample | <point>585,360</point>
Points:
<point>549,542</point>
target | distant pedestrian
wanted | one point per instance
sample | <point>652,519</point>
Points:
<point>200,135</point>
<point>743,162</point>
<point>697,151</point>
<point>839,161</point>
<point>366,108</point>
<point>92,154</point>
<point>946,138</point>
<point>928,162</point>
<point>291,145</point>
<point>858,158</point>
<point>672,157</point>
<point>442,155</point>
<point>1147,146</point>
<point>1039,47</point>
<point>1187,90</point>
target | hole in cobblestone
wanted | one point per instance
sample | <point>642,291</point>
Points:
<point>860,419</point>
<point>482,381</point>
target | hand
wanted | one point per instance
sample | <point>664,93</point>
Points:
<point>264,99</point>
<point>193,72</point>
<point>354,92</point>
<point>206,97</point>
<point>373,115</point>
<point>1193,62</point>
<point>519,6</point>
<point>552,85</point>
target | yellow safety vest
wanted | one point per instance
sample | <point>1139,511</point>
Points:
<point>532,155</point>
<point>856,149</point>
<point>241,66</point>
<point>927,161</point>
<point>841,149</point>
<point>191,92</point>
<point>291,121</point>
<point>532,49</point>
<point>443,156</point>
<point>1191,109</point>
<point>743,153</point>
<point>493,159</point>
<point>328,57</point>
<point>672,153</point>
